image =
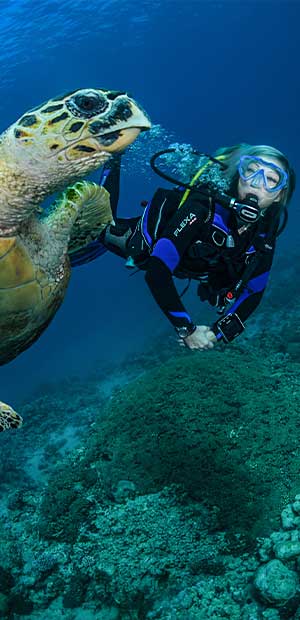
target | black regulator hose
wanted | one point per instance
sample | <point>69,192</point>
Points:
<point>168,177</point>
<point>248,210</point>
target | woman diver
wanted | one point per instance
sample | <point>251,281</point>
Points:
<point>223,239</point>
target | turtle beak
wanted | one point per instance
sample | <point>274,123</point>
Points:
<point>115,141</point>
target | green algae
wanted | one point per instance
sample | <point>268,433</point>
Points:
<point>222,425</point>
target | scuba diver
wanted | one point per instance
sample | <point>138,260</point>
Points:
<point>223,238</point>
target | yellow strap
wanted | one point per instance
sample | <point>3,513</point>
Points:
<point>194,179</point>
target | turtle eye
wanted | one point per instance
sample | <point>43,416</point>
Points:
<point>87,104</point>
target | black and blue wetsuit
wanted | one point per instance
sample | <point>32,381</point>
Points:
<point>200,240</point>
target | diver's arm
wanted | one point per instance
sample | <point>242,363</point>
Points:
<point>161,284</point>
<point>185,227</point>
<point>250,297</point>
<point>180,232</point>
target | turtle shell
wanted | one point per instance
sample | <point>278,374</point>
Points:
<point>29,298</point>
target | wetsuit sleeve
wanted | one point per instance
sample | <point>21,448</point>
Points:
<point>252,294</point>
<point>181,231</point>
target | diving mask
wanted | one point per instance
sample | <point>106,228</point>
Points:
<point>259,172</point>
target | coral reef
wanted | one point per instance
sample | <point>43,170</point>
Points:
<point>164,488</point>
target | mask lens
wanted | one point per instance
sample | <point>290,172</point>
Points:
<point>259,172</point>
<point>249,167</point>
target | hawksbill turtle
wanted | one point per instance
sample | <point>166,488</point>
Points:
<point>49,149</point>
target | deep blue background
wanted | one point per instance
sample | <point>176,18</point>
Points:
<point>211,73</point>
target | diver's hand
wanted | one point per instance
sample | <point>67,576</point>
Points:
<point>202,338</point>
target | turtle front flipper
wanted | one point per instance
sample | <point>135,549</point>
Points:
<point>83,210</point>
<point>9,418</point>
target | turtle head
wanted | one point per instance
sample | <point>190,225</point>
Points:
<point>61,141</point>
<point>75,133</point>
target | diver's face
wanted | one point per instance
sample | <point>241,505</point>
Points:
<point>265,198</point>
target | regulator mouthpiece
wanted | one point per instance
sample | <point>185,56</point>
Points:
<point>248,210</point>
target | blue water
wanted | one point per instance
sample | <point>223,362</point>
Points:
<point>210,73</point>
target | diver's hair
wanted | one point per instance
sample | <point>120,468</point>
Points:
<point>231,157</point>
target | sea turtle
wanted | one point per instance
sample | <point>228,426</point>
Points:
<point>46,150</point>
